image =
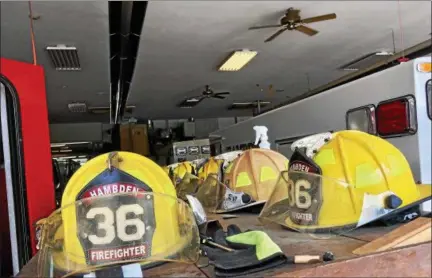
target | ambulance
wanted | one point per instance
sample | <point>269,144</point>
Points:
<point>394,104</point>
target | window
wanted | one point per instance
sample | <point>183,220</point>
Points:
<point>362,118</point>
<point>20,247</point>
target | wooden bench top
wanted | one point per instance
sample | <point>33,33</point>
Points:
<point>411,261</point>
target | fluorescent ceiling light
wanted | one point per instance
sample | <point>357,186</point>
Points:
<point>59,145</point>
<point>238,60</point>
<point>251,103</point>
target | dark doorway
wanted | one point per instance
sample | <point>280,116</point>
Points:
<point>14,239</point>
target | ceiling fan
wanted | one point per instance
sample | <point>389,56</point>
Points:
<point>207,93</point>
<point>293,21</point>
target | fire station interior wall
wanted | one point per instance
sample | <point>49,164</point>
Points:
<point>98,132</point>
<point>327,111</point>
<point>203,127</point>
<point>79,132</point>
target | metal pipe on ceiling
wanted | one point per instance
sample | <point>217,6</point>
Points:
<point>415,51</point>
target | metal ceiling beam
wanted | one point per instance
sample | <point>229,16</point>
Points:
<point>418,50</point>
<point>126,20</point>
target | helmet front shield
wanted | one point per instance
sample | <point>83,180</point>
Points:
<point>100,232</point>
<point>216,197</point>
<point>188,185</point>
<point>310,203</point>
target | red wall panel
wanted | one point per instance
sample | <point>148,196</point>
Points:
<point>29,81</point>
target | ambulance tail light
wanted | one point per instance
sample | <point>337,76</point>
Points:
<point>362,118</point>
<point>396,117</point>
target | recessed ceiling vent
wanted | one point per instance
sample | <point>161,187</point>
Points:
<point>366,61</point>
<point>77,107</point>
<point>64,58</point>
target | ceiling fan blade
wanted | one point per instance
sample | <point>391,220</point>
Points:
<point>223,93</point>
<point>306,30</point>
<point>190,102</point>
<point>265,26</point>
<point>319,18</point>
<point>195,97</point>
<point>275,35</point>
<point>218,96</point>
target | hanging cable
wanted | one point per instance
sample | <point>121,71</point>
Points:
<point>32,34</point>
<point>394,42</point>
<point>401,30</point>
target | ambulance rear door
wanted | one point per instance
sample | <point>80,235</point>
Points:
<point>422,81</point>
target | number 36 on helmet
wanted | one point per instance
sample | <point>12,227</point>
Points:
<point>118,208</point>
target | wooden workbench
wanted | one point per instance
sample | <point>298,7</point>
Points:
<point>411,261</point>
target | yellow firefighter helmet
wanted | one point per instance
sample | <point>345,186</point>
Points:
<point>255,172</point>
<point>340,181</point>
<point>212,166</point>
<point>179,170</point>
<point>117,208</point>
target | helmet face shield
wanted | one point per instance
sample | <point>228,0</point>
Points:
<point>188,185</point>
<point>217,197</point>
<point>322,207</point>
<point>103,231</point>
<point>298,199</point>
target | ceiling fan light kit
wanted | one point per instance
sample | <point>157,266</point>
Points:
<point>237,60</point>
<point>293,21</point>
